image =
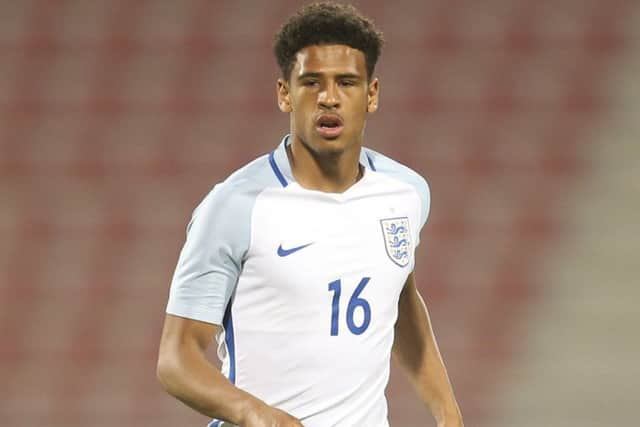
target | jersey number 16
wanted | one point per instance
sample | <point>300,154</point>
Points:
<point>354,302</point>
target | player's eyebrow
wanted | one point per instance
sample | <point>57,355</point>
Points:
<point>315,74</point>
<point>348,76</point>
<point>309,75</point>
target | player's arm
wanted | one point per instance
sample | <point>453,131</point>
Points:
<point>186,373</point>
<point>416,351</point>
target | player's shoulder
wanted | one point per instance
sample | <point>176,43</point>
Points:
<point>397,171</point>
<point>246,181</point>
<point>239,190</point>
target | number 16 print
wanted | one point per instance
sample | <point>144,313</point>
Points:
<point>354,302</point>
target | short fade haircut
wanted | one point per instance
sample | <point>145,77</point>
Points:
<point>327,23</point>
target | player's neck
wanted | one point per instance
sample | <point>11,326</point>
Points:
<point>333,173</point>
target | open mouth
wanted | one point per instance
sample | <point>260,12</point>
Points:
<point>329,126</point>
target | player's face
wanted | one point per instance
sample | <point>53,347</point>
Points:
<point>328,96</point>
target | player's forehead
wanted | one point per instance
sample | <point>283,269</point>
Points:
<point>330,59</point>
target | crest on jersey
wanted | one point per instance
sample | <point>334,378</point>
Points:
<point>397,240</point>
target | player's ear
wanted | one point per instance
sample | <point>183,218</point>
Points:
<point>284,99</point>
<point>372,95</point>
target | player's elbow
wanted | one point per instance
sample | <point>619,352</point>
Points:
<point>167,372</point>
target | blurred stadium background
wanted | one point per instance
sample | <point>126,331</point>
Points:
<point>116,117</point>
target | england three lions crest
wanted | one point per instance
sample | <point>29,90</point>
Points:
<point>397,240</point>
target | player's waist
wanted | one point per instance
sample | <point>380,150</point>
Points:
<point>322,400</point>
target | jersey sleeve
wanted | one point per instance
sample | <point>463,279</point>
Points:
<point>211,259</point>
<point>422,189</point>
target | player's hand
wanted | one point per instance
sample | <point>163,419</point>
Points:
<point>454,420</point>
<point>266,416</point>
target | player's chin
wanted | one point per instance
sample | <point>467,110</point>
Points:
<point>330,146</point>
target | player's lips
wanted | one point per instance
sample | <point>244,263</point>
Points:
<point>329,126</point>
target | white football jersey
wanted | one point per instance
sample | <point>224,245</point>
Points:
<point>305,283</point>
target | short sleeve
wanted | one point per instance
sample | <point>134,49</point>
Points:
<point>211,259</point>
<point>422,188</point>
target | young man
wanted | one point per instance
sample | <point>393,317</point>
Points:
<point>300,263</point>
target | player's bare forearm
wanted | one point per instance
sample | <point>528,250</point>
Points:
<point>416,351</point>
<point>185,373</point>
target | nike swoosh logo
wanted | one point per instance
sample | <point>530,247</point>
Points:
<point>286,252</point>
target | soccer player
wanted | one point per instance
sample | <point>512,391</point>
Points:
<point>301,262</point>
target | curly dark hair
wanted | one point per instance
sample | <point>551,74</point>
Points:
<point>327,23</point>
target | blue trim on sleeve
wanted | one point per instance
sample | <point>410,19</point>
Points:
<point>276,170</point>
<point>229,340</point>
<point>373,168</point>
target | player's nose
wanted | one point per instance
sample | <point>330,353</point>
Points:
<point>329,97</point>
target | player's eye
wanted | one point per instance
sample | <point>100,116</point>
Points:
<point>310,83</point>
<point>347,83</point>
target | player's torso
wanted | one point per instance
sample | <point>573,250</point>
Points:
<point>315,306</point>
